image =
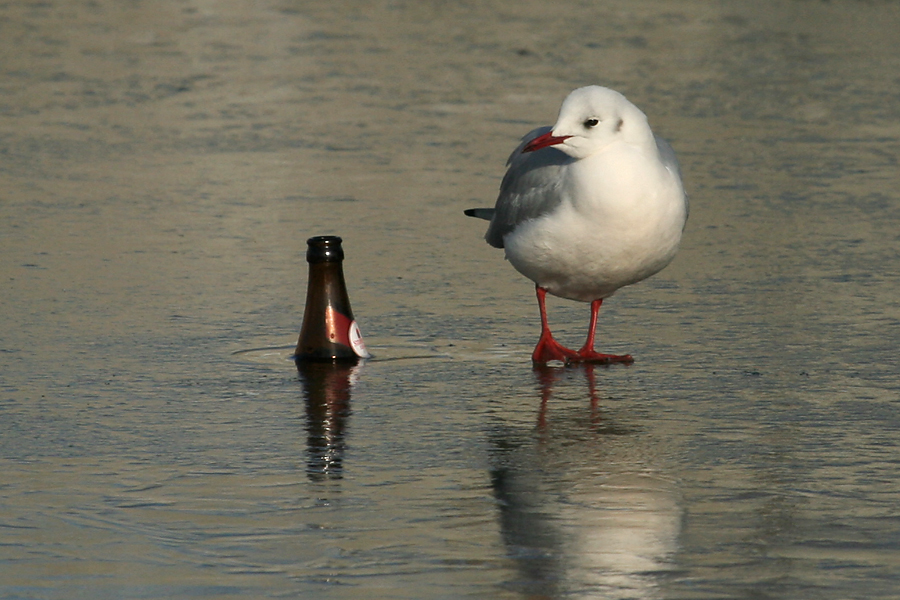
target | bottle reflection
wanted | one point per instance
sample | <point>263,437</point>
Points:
<point>584,511</point>
<point>326,388</point>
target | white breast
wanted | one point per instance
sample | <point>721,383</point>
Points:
<point>620,221</point>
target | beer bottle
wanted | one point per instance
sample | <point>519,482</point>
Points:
<point>329,332</point>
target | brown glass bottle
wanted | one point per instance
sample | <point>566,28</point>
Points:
<point>329,332</point>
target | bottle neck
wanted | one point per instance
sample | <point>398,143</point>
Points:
<point>327,287</point>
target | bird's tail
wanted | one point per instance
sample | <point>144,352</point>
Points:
<point>480,213</point>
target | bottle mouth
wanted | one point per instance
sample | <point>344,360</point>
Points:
<point>324,248</point>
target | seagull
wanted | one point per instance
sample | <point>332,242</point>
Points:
<point>587,206</point>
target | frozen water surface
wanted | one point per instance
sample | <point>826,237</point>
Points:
<point>161,166</point>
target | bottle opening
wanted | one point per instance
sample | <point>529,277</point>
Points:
<point>324,248</point>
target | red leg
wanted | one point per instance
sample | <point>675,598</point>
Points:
<point>547,348</point>
<point>587,352</point>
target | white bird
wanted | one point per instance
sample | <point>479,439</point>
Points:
<point>588,206</point>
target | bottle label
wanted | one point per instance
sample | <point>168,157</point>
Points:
<point>356,341</point>
<point>346,332</point>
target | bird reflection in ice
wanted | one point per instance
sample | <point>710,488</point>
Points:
<point>583,511</point>
<point>326,388</point>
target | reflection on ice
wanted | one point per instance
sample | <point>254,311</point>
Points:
<point>326,387</point>
<point>580,511</point>
<point>620,535</point>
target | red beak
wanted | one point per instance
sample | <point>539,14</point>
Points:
<point>542,141</point>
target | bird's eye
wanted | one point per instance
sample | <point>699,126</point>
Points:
<point>591,123</point>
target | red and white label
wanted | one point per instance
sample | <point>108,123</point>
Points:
<point>356,341</point>
<point>346,332</point>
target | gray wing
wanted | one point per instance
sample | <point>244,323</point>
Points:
<point>671,162</point>
<point>529,189</point>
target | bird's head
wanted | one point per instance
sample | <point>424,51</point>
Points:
<point>590,119</point>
